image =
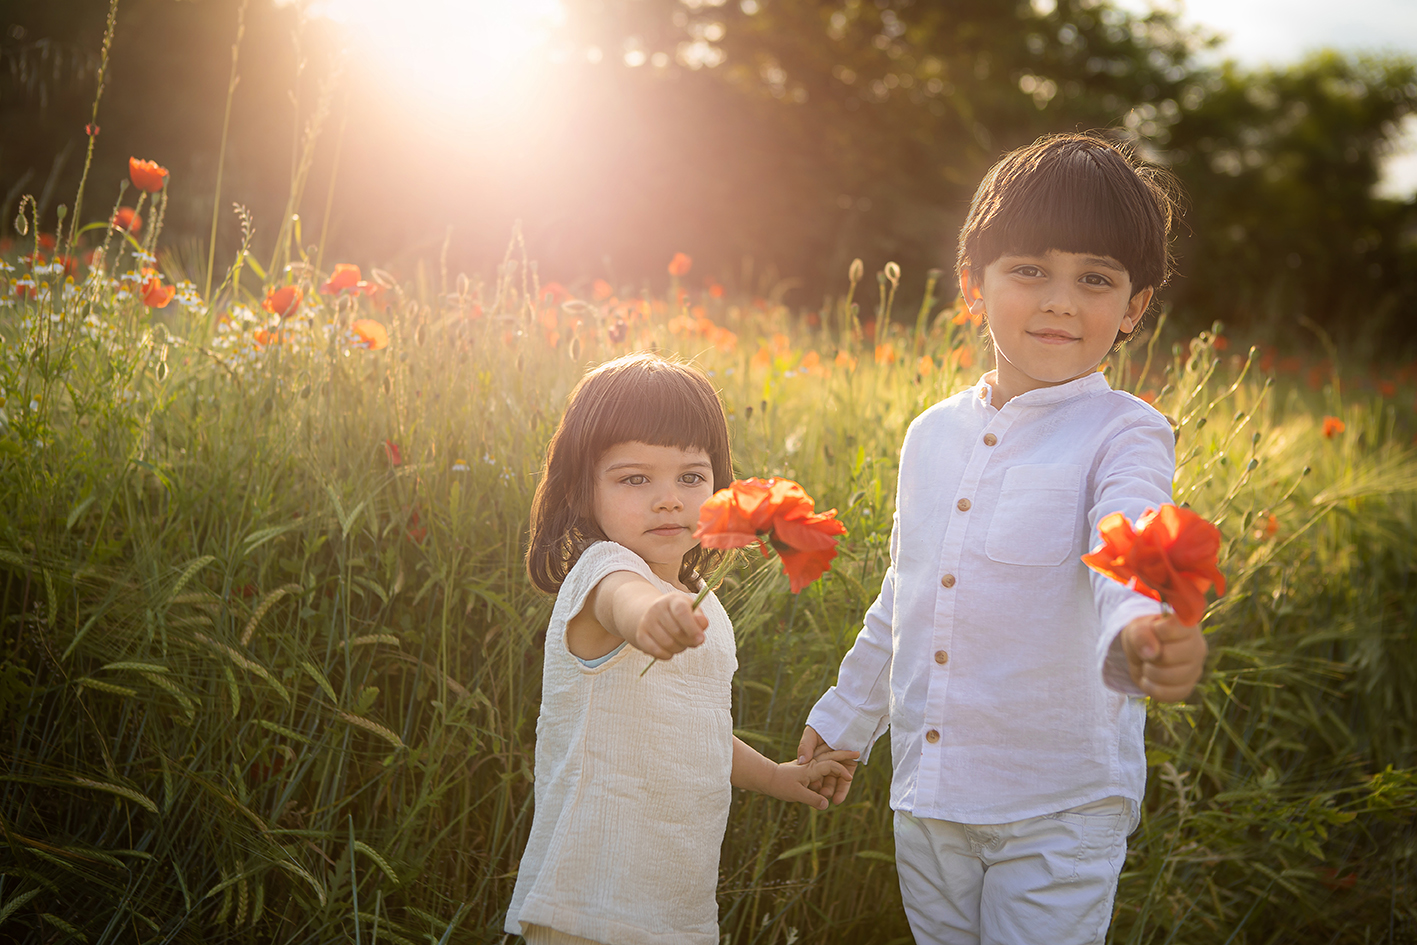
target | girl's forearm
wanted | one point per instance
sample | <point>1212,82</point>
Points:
<point>751,770</point>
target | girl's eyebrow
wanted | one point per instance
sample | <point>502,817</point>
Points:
<point>697,464</point>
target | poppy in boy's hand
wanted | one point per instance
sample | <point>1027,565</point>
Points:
<point>1170,556</point>
<point>777,512</point>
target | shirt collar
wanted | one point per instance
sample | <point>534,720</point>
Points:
<point>1094,382</point>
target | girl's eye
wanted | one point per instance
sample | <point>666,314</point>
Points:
<point>693,479</point>
<point>635,480</point>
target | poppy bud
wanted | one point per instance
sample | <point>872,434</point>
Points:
<point>857,270</point>
<point>893,272</point>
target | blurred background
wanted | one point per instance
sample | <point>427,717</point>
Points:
<point>772,140</point>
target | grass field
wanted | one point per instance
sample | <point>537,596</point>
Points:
<point>270,663</point>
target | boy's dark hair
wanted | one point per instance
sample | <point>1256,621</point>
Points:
<point>1074,193</point>
<point>641,397</point>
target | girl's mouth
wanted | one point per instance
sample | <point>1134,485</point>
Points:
<point>667,530</point>
<point>1052,337</point>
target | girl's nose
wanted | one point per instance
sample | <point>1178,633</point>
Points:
<point>669,502</point>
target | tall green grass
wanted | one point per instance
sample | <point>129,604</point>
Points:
<point>270,664</point>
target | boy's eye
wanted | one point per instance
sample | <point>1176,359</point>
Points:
<point>1028,271</point>
<point>1093,278</point>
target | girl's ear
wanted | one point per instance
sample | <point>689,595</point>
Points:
<point>1136,308</point>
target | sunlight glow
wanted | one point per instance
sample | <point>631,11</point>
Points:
<point>486,51</point>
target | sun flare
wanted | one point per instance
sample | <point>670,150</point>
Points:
<point>464,50</point>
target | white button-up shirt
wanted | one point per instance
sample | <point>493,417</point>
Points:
<point>989,652</point>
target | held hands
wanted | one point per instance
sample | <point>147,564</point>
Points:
<point>794,780</point>
<point>669,625</point>
<point>1164,656</point>
<point>832,785</point>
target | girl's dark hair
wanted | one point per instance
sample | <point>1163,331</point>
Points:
<point>1074,193</point>
<point>640,397</point>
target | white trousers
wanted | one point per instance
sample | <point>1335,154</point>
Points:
<point>1048,879</point>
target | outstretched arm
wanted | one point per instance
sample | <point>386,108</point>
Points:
<point>626,606</point>
<point>789,780</point>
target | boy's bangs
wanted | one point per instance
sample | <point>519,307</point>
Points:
<point>1070,213</point>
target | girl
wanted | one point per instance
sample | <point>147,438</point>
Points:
<point>633,772</point>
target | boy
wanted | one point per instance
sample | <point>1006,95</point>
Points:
<point>1009,675</point>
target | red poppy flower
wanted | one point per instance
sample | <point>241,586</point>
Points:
<point>780,512</point>
<point>1170,557</point>
<point>345,276</point>
<point>127,219</point>
<point>372,335</point>
<point>146,175</point>
<point>1332,427</point>
<point>600,290</point>
<point>155,294</point>
<point>391,450</point>
<point>416,530</point>
<point>680,264</point>
<point>46,240</point>
<point>283,301</point>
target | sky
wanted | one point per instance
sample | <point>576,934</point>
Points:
<point>1279,32</point>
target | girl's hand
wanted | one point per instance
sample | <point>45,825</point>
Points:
<point>669,625</point>
<point>793,780</point>
<point>1164,656</point>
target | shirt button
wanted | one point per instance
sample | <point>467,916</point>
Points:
<point>942,657</point>
<point>963,505</point>
<point>932,736</point>
<point>990,439</point>
<point>948,580</point>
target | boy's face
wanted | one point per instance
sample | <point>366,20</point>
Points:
<point>1053,316</point>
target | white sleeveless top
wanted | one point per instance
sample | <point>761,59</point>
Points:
<point>632,781</point>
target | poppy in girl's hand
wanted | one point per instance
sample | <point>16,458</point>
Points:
<point>777,512</point>
<point>147,175</point>
<point>1170,556</point>
<point>283,301</point>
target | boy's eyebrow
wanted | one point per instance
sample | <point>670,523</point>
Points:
<point>1104,262</point>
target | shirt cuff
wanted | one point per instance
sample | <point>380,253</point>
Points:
<point>843,726</point>
<point>1115,673</point>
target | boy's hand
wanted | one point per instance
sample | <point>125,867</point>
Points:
<point>793,780</point>
<point>670,625</point>
<point>830,786</point>
<point>1164,656</point>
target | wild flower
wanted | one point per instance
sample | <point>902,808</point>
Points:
<point>147,175</point>
<point>1332,427</point>
<point>283,301</point>
<point>368,334</point>
<point>127,219</point>
<point>155,294</point>
<point>680,265</point>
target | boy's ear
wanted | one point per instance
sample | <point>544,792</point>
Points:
<point>1136,308</point>
<point>970,290</point>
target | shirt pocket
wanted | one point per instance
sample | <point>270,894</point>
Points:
<point>1036,517</point>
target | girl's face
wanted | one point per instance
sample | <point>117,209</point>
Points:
<point>647,498</point>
